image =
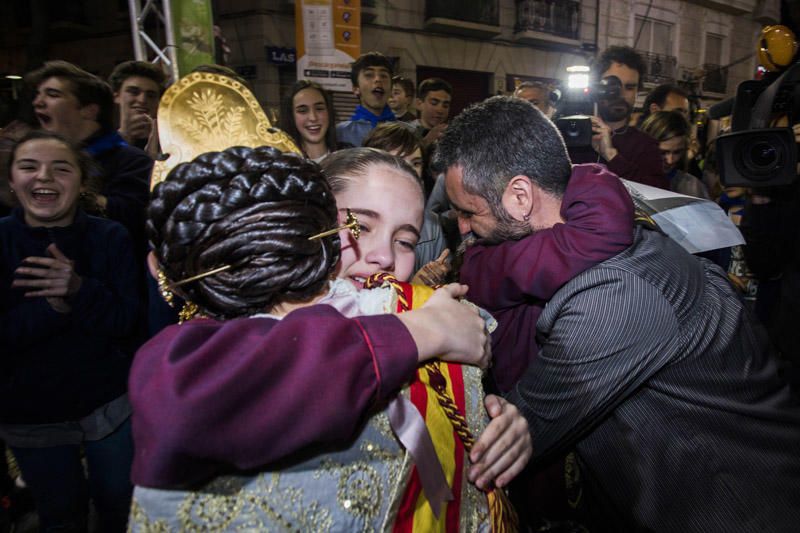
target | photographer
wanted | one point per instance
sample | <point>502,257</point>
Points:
<point>772,232</point>
<point>626,151</point>
<point>761,153</point>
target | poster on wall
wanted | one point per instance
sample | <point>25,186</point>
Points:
<point>328,41</point>
<point>194,33</point>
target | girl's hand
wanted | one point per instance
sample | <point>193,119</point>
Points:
<point>448,329</point>
<point>54,278</point>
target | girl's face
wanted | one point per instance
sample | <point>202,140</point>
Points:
<point>46,178</point>
<point>310,116</point>
<point>672,152</point>
<point>389,207</point>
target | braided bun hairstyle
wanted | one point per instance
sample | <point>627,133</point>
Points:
<point>253,209</point>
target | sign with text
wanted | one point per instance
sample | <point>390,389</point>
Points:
<point>328,41</point>
<point>281,56</point>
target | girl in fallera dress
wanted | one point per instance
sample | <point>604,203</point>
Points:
<point>267,376</point>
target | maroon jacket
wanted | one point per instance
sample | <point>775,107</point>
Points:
<point>513,280</point>
<point>638,158</point>
<point>210,397</point>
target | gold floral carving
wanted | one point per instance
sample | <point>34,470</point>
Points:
<point>205,112</point>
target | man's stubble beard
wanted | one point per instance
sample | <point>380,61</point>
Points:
<point>507,228</point>
<point>604,110</point>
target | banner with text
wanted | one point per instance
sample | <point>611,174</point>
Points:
<point>328,41</point>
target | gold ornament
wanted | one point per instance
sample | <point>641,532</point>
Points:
<point>188,312</point>
<point>163,288</point>
<point>204,112</point>
<point>350,222</point>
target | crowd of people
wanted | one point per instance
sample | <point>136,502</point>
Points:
<point>416,324</point>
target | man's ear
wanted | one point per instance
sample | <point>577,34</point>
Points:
<point>654,107</point>
<point>357,91</point>
<point>152,264</point>
<point>90,112</point>
<point>116,98</point>
<point>518,197</point>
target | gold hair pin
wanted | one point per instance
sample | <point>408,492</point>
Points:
<point>223,268</point>
<point>350,222</point>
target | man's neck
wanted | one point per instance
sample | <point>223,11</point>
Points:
<point>376,112</point>
<point>400,111</point>
<point>546,212</point>
<point>86,131</point>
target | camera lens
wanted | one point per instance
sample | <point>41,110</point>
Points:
<point>760,157</point>
<point>763,154</point>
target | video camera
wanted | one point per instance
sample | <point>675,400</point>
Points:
<point>575,123</point>
<point>753,154</point>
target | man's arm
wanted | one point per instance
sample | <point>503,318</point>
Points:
<point>598,351</point>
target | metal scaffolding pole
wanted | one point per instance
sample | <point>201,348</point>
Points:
<point>146,47</point>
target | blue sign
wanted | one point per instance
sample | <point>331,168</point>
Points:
<point>281,56</point>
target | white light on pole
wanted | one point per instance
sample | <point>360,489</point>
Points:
<point>578,77</point>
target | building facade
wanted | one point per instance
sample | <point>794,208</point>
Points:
<point>483,47</point>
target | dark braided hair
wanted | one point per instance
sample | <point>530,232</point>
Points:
<point>253,209</point>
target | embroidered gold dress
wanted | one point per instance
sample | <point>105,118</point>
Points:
<point>369,486</point>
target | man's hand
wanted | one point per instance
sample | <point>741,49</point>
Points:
<point>601,139</point>
<point>434,133</point>
<point>435,272</point>
<point>504,447</point>
<point>136,125</point>
<point>56,280</point>
<point>448,329</point>
<point>153,146</point>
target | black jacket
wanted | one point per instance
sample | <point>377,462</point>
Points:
<point>55,366</point>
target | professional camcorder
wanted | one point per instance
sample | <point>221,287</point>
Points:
<point>754,154</point>
<point>574,123</point>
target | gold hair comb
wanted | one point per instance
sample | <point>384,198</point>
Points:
<point>350,222</point>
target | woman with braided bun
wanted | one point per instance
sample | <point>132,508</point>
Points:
<point>262,375</point>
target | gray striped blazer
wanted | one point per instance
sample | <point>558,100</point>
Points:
<point>651,369</point>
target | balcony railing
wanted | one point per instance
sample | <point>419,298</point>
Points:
<point>476,11</point>
<point>716,78</point>
<point>660,68</point>
<point>558,17</point>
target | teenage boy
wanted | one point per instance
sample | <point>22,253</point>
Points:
<point>371,75</point>
<point>137,87</point>
<point>433,102</point>
<point>79,106</point>
<point>402,99</point>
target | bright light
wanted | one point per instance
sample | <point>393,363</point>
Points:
<point>13,77</point>
<point>578,81</point>
<point>578,68</point>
